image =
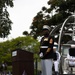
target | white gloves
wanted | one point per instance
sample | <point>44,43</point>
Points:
<point>41,55</point>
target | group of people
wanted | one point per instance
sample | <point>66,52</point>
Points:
<point>48,53</point>
<point>50,56</point>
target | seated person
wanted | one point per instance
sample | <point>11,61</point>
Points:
<point>70,59</point>
<point>56,61</point>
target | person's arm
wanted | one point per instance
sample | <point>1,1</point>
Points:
<point>50,45</point>
<point>58,56</point>
<point>69,58</point>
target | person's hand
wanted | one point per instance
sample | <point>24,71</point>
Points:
<point>41,55</point>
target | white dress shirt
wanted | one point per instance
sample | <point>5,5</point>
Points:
<point>71,60</point>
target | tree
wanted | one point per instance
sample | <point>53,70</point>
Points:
<point>53,15</point>
<point>27,43</point>
<point>5,22</point>
<point>25,33</point>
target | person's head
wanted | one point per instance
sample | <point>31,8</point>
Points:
<point>46,30</point>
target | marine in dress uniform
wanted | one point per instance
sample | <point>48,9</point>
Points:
<point>46,51</point>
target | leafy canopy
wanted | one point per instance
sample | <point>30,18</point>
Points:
<point>53,15</point>
<point>5,22</point>
<point>27,43</point>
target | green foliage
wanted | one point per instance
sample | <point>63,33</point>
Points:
<point>5,22</point>
<point>53,15</point>
<point>25,33</point>
<point>26,43</point>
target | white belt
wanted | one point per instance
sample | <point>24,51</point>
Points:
<point>44,47</point>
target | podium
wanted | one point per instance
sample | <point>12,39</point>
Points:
<point>22,62</point>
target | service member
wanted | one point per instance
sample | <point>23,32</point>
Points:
<point>46,51</point>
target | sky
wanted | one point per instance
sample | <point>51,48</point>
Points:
<point>22,15</point>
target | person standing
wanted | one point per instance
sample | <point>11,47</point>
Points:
<point>46,51</point>
<point>56,60</point>
<point>70,59</point>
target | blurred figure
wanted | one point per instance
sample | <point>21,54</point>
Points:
<point>56,60</point>
<point>70,59</point>
<point>3,68</point>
